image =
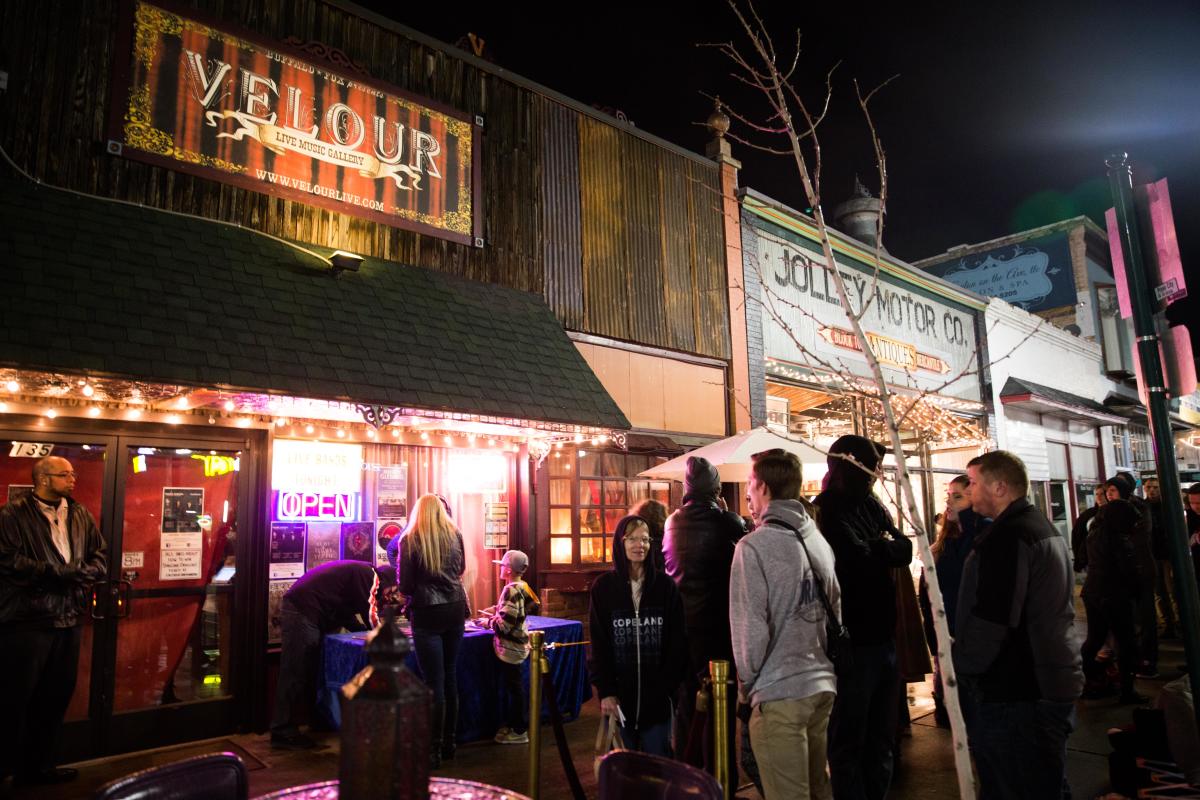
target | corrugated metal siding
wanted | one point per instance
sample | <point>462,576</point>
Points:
<point>644,241</point>
<point>708,242</point>
<point>677,258</point>
<point>602,205</point>
<point>562,246</point>
<point>622,237</point>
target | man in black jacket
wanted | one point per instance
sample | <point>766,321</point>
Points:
<point>1110,594</point>
<point>698,546</point>
<point>1015,648</point>
<point>50,551</point>
<point>1164,586</point>
<point>339,594</point>
<point>867,547</point>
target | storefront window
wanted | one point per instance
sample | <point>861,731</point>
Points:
<point>594,490</point>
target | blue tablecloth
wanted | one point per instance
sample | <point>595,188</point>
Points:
<point>481,692</point>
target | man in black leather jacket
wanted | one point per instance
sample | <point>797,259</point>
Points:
<point>698,544</point>
<point>50,551</point>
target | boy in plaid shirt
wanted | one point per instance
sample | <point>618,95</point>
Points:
<point>511,642</point>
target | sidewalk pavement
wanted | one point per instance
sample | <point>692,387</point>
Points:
<point>925,770</point>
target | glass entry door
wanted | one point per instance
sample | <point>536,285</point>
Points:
<point>174,568</point>
<point>1060,508</point>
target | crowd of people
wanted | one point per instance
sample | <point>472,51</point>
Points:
<point>803,599</point>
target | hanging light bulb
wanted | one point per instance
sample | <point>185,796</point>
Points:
<point>88,391</point>
<point>51,413</point>
<point>134,413</point>
<point>309,428</point>
<point>281,422</point>
<point>341,434</point>
<point>424,436</point>
<point>173,419</point>
<point>370,433</point>
<point>13,386</point>
<point>229,406</point>
<point>396,433</point>
<point>449,440</point>
<point>181,402</point>
<point>94,411</point>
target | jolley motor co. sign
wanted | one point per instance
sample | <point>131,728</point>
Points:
<point>195,98</point>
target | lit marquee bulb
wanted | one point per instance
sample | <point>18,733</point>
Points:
<point>229,406</point>
<point>88,391</point>
<point>309,428</point>
<point>13,386</point>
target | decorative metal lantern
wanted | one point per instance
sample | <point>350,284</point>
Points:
<point>386,713</point>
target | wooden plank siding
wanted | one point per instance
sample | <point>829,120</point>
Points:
<point>622,237</point>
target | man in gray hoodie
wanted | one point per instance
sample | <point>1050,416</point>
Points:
<point>778,620</point>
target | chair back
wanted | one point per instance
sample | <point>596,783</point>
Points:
<point>215,776</point>
<point>629,775</point>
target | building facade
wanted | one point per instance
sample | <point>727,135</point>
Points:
<point>276,270</point>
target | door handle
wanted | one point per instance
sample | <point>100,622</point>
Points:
<point>96,601</point>
<point>120,596</point>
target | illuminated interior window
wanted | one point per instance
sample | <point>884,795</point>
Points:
<point>560,549</point>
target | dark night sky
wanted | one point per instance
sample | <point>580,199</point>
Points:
<point>999,118</point>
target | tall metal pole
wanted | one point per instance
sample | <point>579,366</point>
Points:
<point>1120,178</point>
<point>537,655</point>
<point>722,769</point>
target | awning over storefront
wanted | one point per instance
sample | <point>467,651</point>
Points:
<point>1020,393</point>
<point>111,289</point>
<point>1135,412</point>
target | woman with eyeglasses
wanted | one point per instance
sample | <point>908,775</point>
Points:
<point>639,648</point>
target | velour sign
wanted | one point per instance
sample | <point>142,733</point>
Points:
<point>201,99</point>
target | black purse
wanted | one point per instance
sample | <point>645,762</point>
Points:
<point>838,645</point>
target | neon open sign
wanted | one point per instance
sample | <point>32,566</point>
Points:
<point>297,506</point>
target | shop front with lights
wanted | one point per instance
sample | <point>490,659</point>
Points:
<point>218,479</point>
<point>814,382</point>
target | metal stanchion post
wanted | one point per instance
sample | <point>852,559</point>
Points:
<point>537,641</point>
<point>719,673</point>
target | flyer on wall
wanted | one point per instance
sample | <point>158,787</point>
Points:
<point>357,541</point>
<point>287,550</point>
<point>275,592</point>
<point>324,543</point>
<point>391,492</point>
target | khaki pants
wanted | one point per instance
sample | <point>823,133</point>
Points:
<point>788,737</point>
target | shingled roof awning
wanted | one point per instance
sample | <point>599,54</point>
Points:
<point>97,287</point>
<point>1025,394</point>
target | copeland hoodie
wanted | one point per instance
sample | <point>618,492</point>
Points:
<point>775,614</point>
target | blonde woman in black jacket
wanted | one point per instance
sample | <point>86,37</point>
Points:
<point>430,565</point>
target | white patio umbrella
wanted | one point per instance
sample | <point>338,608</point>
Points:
<point>731,456</point>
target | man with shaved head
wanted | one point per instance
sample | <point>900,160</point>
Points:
<point>50,551</point>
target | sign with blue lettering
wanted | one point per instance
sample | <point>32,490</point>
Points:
<point>1033,275</point>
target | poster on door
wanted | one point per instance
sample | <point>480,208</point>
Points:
<point>181,509</point>
<point>180,556</point>
<point>324,543</point>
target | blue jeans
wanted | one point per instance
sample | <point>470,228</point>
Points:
<point>652,739</point>
<point>1020,749</point>
<point>437,659</point>
<point>862,726</point>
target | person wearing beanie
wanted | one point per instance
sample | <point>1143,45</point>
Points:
<point>1140,533</point>
<point>1110,594</point>
<point>639,648</point>
<point>867,547</point>
<point>698,544</point>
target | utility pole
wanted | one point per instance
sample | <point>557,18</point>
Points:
<point>1120,179</point>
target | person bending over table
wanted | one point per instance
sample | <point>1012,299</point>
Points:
<point>639,647</point>
<point>340,594</point>
<point>430,564</point>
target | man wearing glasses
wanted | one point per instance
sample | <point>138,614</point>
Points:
<point>50,550</point>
